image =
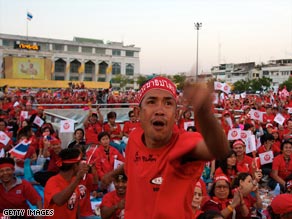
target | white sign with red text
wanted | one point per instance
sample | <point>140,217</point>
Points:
<point>38,121</point>
<point>67,126</point>
<point>266,157</point>
<point>279,119</point>
<point>256,115</point>
<point>4,139</point>
<point>234,134</point>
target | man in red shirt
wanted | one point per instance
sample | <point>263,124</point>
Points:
<point>131,125</point>
<point>14,192</point>
<point>243,162</point>
<point>93,126</point>
<point>159,160</point>
<point>61,192</point>
<point>113,203</point>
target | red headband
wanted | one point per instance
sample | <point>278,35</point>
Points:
<point>238,142</point>
<point>157,83</point>
<point>60,162</point>
<point>221,177</point>
<point>3,165</point>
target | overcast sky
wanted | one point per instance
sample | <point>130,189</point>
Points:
<point>233,31</point>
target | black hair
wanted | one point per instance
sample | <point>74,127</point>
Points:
<point>240,176</point>
<point>267,137</point>
<point>111,115</point>
<point>102,134</point>
<point>223,163</point>
<point>191,128</point>
<point>48,126</point>
<point>80,129</point>
<point>210,214</point>
<point>2,120</point>
<point>212,191</point>
<point>66,154</point>
<point>26,131</point>
<point>7,160</point>
<point>285,142</point>
<point>130,113</point>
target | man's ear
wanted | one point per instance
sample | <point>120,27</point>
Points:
<point>136,111</point>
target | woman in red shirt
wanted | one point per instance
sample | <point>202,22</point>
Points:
<point>228,166</point>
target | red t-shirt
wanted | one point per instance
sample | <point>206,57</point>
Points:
<point>105,163</point>
<point>231,173</point>
<point>217,205</point>
<point>55,185</point>
<point>91,132</point>
<point>249,202</point>
<point>116,131</point>
<point>245,165</point>
<point>130,126</point>
<point>110,199</point>
<point>15,198</point>
<point>85,187</point>
<point>284,169</point>
<point>159,182</point>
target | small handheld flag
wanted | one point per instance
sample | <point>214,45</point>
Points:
<point>29,16</point>
<point>20,150</point>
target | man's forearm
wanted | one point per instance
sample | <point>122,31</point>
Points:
<point>213,134</point>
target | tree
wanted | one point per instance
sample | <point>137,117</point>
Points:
<point>287,83</point>
<point>179,80</point>
<point>120,79</point>
<point>242,85</point>
<point>141,80</point>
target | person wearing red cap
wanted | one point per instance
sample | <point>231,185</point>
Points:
<point>243,162</point>
<point>281,205</point>
<point>160,160</point>
<point>14,192</point>
<point>199,194</point>
<point>61,191</point>
<point>221,197</point>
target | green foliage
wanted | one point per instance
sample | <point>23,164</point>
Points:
<point>141,80</point>
<point>287,83</point>
<point>179,80</point>
<point>258,84</point>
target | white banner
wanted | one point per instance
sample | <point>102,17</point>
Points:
<point>234,134</point>
<point>4,139</point>
<point>279,119</point>
<point>67,126</point>
<point>256,115</point>
<point>38,121</point>
<point>266,157</point>
<point>188,124</point>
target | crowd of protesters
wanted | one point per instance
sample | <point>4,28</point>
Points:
<point>234,187</point>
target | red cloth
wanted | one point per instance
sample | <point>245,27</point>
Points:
<point>15,198</point>
<point>280,165</point>
<point>245,165</point>
<point>161,83</point>
<point>216,205</point>
<point>55,185</point>
<point>249,202</point>
<point>160,172</point>
<point>105,163</point>
<point>110,199</point>
<point>91,132</point>
<point>231,173</point>
<point>282,204</point>
<point>130,126</point>
<point>116,131</point>
<point>85,187</point>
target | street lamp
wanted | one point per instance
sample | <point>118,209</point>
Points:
<point>197,27</point>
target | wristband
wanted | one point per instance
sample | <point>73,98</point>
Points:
<point>230,208</point>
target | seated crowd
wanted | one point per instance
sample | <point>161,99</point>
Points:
<point>254,180</point>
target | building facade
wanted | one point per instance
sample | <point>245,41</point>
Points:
<point>278,70</point>
<point>82,59</point>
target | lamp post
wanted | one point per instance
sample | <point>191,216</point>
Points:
<point>197,27</point>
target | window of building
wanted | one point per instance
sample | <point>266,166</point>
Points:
<point>58,47</point>
<point>60,65</point>
<point>74,66</point>
<point>116,52</point>
<point>89,67</point>
<point>8,43</point>
<point>129,69</point>
<point>71,48</point>
<point>74,78</point>
<point>101,79</point>
<point>44,46</point>
<point>265,73</point>
<point>130,53</point>
<point>100,51</point>
<point>59,78</point>
<point>116,68</point>
<point>87,78</point>
<point>86,49</point>
<point>102,68</point>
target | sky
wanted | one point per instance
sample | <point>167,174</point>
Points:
<point>233,31</point>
